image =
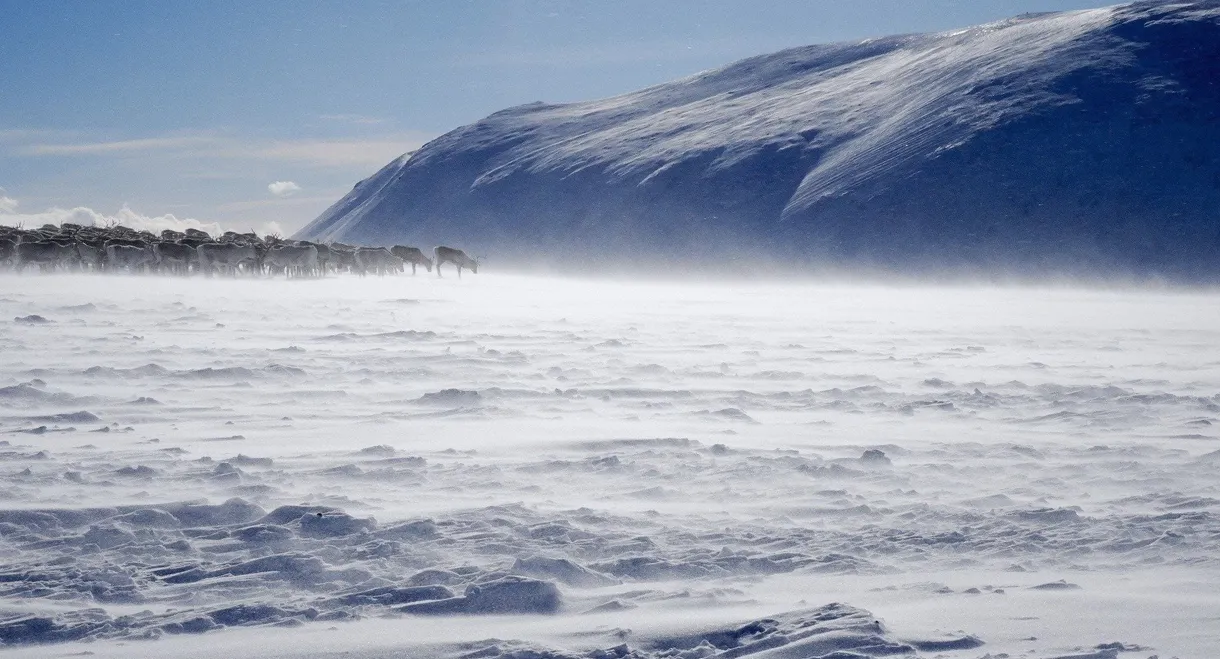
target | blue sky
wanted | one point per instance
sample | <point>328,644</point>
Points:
<point>199,109</point>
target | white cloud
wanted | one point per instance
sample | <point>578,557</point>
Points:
<point>7,204</point>
<point>283,188</point>
<point>272,228</point>
<point>87,216</point>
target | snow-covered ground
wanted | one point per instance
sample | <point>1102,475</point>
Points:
<point>510,466</point>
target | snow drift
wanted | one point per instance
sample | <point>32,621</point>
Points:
<point>1055,142</point>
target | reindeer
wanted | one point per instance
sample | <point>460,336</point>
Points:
<point>377,260</point>
<point>8,251</point>
<point>456,257</point>
<point>229,257</point>
<point>46,254</point>
<point>91,255</point>
<point>294,260</point>
<point>174,257</point>
<point>412,255</point>
<point>133,258</point>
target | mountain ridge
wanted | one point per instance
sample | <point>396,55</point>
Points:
<point>1051,143</point>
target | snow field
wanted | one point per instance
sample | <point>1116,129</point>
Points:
<point>585,467</point>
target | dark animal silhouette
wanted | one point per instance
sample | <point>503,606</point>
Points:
<point>457,257</point>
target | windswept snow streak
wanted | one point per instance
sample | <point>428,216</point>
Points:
<point>662,470</point>
<point>1081,142</point>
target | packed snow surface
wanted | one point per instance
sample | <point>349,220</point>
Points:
<point>510,466</point>
<point>1081,142</point>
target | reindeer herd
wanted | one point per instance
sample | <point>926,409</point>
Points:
<point>77,248</point>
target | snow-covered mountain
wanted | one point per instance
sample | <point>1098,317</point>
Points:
<point>1069,142</point>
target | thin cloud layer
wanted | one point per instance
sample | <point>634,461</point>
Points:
<point>358,119</point>
<point>316,152</point>
<point>283,188</point>
<point>119,146</point>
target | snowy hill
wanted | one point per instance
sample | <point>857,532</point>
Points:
<point>1072,142</point>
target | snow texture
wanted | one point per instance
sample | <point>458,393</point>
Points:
<point>527,467</point>
<point>1073,143</point>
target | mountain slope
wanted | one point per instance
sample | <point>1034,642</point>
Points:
<point>1056,142</point>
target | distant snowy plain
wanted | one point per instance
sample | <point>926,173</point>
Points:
<point>511,466</point>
